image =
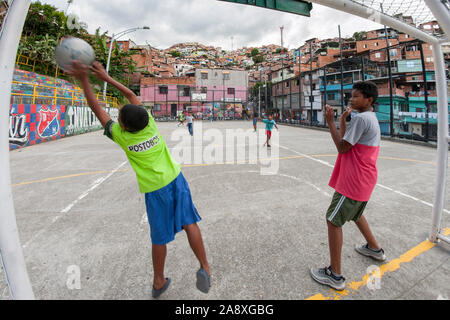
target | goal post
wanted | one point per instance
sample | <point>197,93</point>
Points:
<point>11,253</point>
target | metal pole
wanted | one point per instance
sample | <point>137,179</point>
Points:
<point>300,84</point>
<point>282,89</point>
<point>259,101</point>
<point>342,70</point>
<point>311,97</point>
<point>11,253</point>
<point>107,66</point>
<point>391,86</point>
<point>116,37</point>
<point>325,91</point>
<point>441,13</point>
<point>425,88</point>
<point>363,68</point>
<point>443,139</point>
<point>265,96</point>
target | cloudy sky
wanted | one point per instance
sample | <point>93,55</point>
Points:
<point>210,22</point>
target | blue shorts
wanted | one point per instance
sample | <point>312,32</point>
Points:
<point>169,209</point>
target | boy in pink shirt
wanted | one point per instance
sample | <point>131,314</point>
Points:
<point>354,177</point>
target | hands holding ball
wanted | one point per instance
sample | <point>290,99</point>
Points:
<point>76,56</point>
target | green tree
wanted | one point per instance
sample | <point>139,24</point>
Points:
<point>254,52</point>
<point>175,53</point>
<point>258,59</point>
<point>358,36</point>
<point>43,29</point>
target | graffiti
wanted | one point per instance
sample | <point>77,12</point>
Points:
<point>30,124</point>
<point>18,132</point>
<point>82,119</point>
<point>48,124</point>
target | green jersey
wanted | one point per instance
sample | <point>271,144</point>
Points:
<point>147,153</point>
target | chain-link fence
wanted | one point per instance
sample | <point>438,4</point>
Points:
<point>406,105</point>
<point>168,103</point>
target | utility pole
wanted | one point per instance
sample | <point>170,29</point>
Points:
<point>391,121</point>
<point>282,75</point>
<point>311,97</point>
<point>342,70</point>
<point>425,89</point>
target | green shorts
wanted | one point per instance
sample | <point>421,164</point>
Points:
<point>343,209</point>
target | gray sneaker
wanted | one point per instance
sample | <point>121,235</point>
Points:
<point>366,251</point>
<point>325,276</point>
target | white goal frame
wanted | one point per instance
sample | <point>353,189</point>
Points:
<point>11,252</point>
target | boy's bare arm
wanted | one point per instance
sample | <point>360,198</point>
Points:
<point>342,146</point>
<point>100,73</point>
<point>343,124</point>
<point>80,71</point>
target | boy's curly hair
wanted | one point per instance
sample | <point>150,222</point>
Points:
<point>368,89</point>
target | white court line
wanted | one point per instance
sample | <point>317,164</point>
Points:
<point>379,185</point>
<point>70,206</point>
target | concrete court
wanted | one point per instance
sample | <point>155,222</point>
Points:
<point>78,208</point>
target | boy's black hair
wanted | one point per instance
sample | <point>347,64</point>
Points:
<point>368,89</point>
<point>133,117</point>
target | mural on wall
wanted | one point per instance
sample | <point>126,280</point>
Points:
<point>30,124</point>
<point>82,119</point>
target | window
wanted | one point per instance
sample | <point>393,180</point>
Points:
<point>376,44</point>
<point>183,91</point>
<point>365,46</point>
<point>429,59</point>
<point>203,90</point>
<point>393,52</point>
<point>204,76</point>
<point>163,90</point>
<point>157,107</point>
<point>330,96</point>
<point>226,76</point>
<point>427,27</point>
<point>377,55</point>
<point>287,84</point>
<point>230,90</point>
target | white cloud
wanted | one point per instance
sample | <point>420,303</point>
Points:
<point>210,22</point>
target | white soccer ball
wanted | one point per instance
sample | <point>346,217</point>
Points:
<point>74,49</point>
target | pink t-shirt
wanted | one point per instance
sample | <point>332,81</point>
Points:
<point>355,172</point>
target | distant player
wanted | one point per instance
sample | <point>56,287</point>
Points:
<point>190,123</point>
<point>270,123</point>
<point>180,120</point>
<point>255,120</point>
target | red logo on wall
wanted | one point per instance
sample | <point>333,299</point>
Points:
<point>48,122</point>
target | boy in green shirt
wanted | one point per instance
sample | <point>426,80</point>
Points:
<point>167,196</point>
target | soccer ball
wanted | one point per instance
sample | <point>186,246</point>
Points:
<point>74,49</point>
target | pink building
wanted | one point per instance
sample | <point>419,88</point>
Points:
<point>225,91</point>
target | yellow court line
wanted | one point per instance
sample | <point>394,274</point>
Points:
<point>64,177</point>
<point>184,166</point>
<point>391,266</point>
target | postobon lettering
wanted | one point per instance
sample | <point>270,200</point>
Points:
<point>144,146</point>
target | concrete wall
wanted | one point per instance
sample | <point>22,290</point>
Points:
<point>30,124</point>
